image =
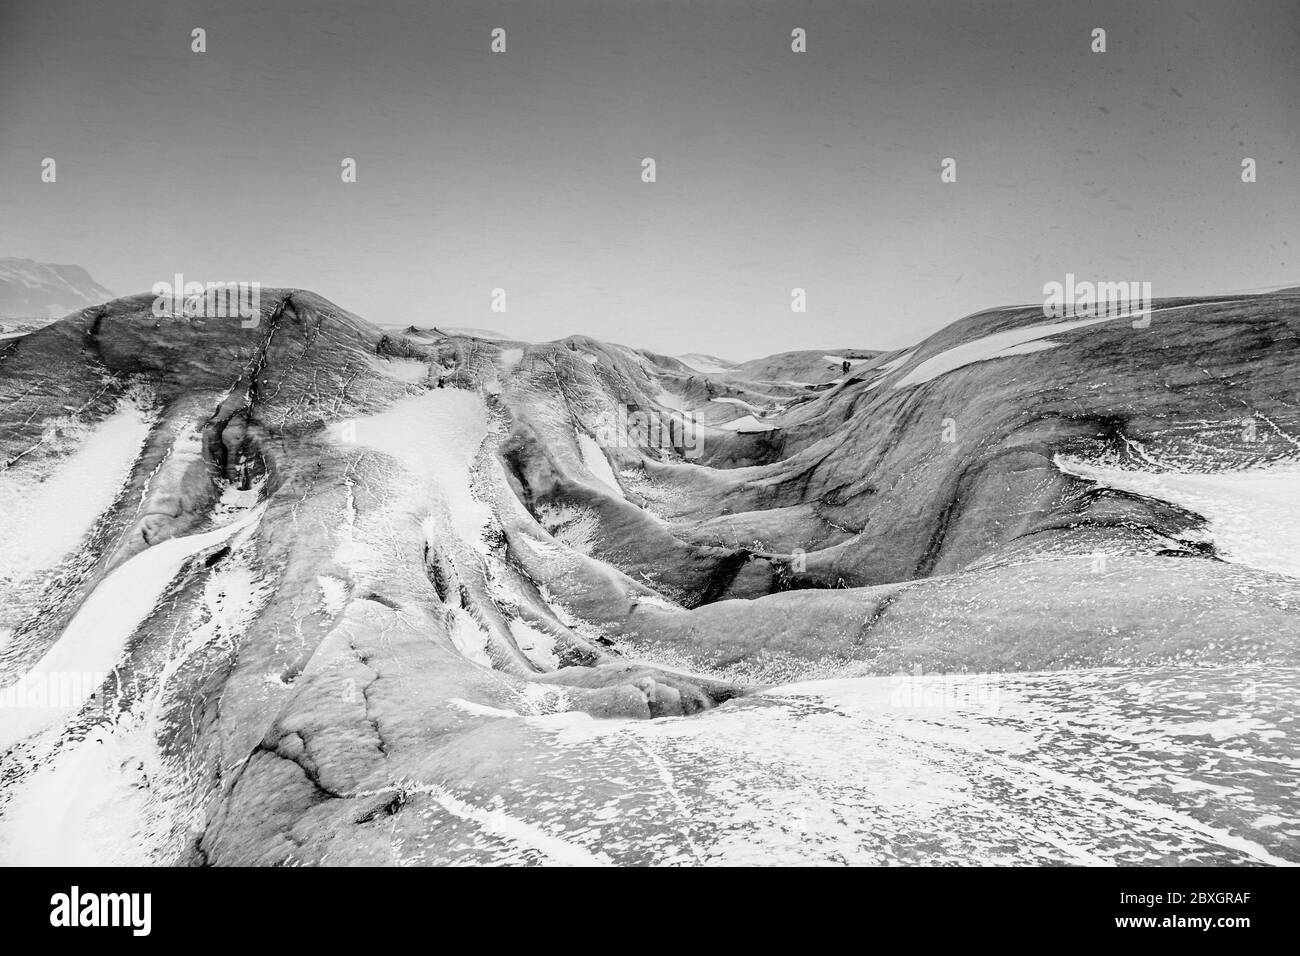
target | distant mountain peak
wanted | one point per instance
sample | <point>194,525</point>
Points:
<point>45,290</point>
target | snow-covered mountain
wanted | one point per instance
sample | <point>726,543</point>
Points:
<point>318,592</point>
<point>31,290</point>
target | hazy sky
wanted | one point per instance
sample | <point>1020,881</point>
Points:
<point>775,169</point>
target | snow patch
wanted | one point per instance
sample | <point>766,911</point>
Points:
<point>574,526</point>
<point>895,364</point>
<point>1010,341</point>
<point>334,594</point>
<point>708,364</point>
<point>671,400</point>
<point>414,371</point>
<point>739,402</point>
<point>593,458</point>
<point>747,423</point>
<point>1253,515</point>
<point>97,635</point>
<point>46,508</point>
<point>89,805</point>
<point>989,347</point>
<point>436,436</point>
<point>469,637</point>
<point>480,710</point>
<point>1026,348</point>
<point>536,645</point>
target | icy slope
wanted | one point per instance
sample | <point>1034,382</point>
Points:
<point>385,596</point>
